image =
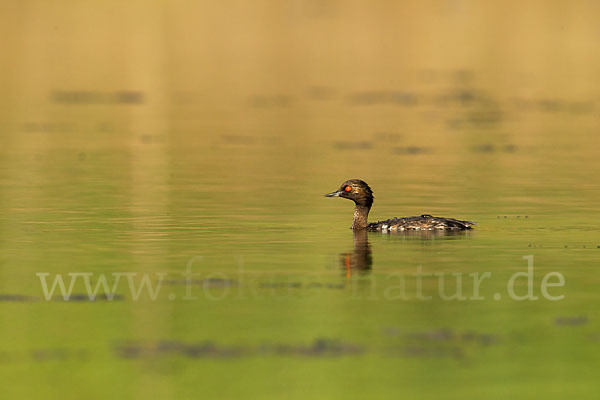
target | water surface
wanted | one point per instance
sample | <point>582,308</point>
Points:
<point>212,157</point>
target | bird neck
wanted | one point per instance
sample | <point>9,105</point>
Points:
<point>361,213</point>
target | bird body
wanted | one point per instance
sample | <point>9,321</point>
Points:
<point>423,222</point>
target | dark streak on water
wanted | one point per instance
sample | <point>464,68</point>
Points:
<point>96,97</point>
<point>82,297</point>
<point>210,282</point>
<point>298,285</point>
<point>76,297</point>
<point>490,148</point>
<point>571,321</point>
<point>362,145</point>
<point>16,298</point>
<point>412,150</point>
<point>403,98</point>
<point>446,335</point>
<point>464,97</point>
<point>59,354</point>
<point>320,347</point>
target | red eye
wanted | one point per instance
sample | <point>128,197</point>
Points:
<point>347,188</point>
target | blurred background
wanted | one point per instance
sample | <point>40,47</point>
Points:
<point>137,135</point>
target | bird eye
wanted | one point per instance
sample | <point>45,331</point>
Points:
<point>348,188</point>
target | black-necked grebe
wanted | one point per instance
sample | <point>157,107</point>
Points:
<point>362,195</point>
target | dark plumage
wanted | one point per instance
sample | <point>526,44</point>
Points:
<point>362,195</point>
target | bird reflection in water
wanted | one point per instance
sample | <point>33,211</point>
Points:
<point>360,259</point>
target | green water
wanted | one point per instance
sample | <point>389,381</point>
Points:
<point>275,311</point>
<point>172,140</point>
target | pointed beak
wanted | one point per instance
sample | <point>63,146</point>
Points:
<point>333,194</point>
